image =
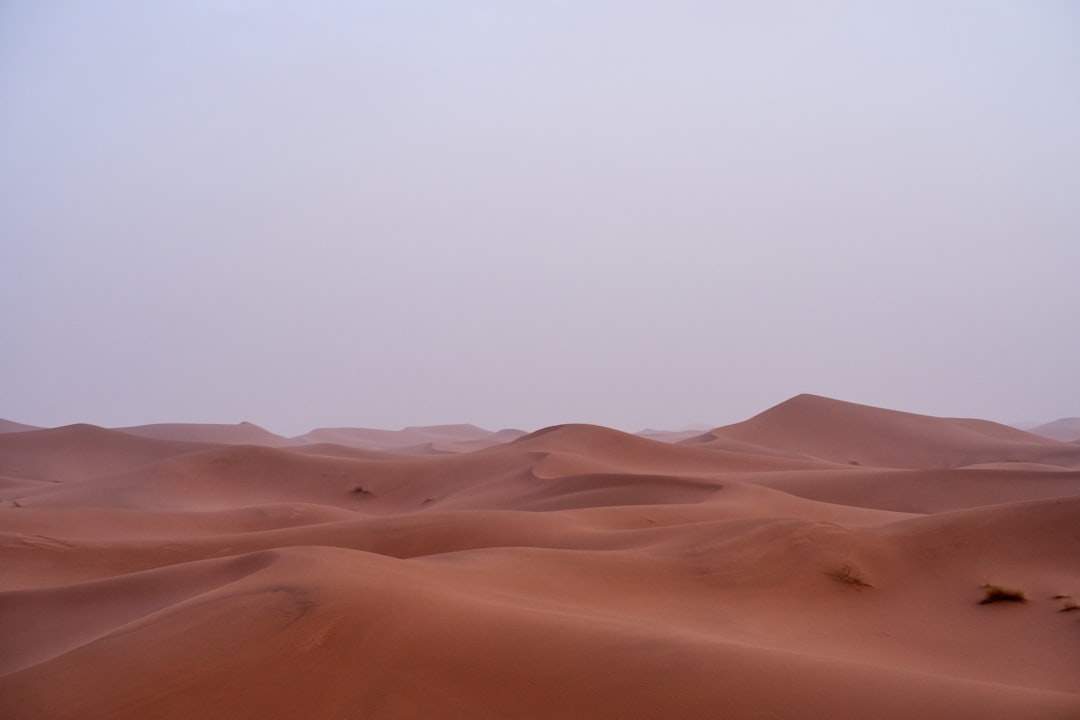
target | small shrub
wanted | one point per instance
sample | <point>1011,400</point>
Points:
<point>1000,593</point>
<point>849,575</point>
<point>1068,604</point>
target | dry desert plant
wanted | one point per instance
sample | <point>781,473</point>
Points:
<point>1000,593</point>
<point>1068,604</point>
<point>849,575</point>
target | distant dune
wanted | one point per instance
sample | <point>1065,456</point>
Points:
<point>80,452</point>
<point>844,432</point>
<point>9,426</point>
<point>1065,429</point>
<point>243,433</point>
<point>427,440</point>
<point>822,559</point>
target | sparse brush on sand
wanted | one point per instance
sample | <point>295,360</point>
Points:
<point>1068,603</point>
<point>1001,593</point>
<point>848,574</point>
<point>574,572</point>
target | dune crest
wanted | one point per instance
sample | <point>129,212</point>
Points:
<point>1065,429</point>
<point>10,426</point>
<point>243,433</point>
<point>422,440</point>
<point>849,433</point>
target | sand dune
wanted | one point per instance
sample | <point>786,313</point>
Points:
<point>10,426</point>
<point>1065,429</point>
<point>581,448</point>
<point>77,452</point>
<point>822,559</point>
<point>671,436</point>
<point>844,432</point>
<point>927,491</point>
<point>426,440</point>
<point>244,433</point>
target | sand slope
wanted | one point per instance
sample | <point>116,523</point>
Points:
<point>244,433</point>
<point>425,440</point>
<point>9,426</point>
<point>1065,429</point>
<point>77,452</point>
<point>843,432</point>
<point>574,572</point>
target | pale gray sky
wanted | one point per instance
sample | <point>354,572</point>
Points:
<point>517,214</point>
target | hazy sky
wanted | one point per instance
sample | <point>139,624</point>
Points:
<point>517,214</point>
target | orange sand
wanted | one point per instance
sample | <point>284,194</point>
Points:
<point>820,560</point>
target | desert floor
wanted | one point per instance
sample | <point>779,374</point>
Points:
<point>819,560</point>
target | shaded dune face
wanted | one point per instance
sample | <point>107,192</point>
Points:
<point>822,559</point>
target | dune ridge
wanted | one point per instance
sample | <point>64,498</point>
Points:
<point>425,440</point>
<point>1064,429</point>
<point>844,432</point>
<point>243,433</point>
<point>821,559</point>
<point>10,426</point>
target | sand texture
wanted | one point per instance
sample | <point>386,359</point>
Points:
<point>819,560</point>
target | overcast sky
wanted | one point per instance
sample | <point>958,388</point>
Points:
<point>638,214</point>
